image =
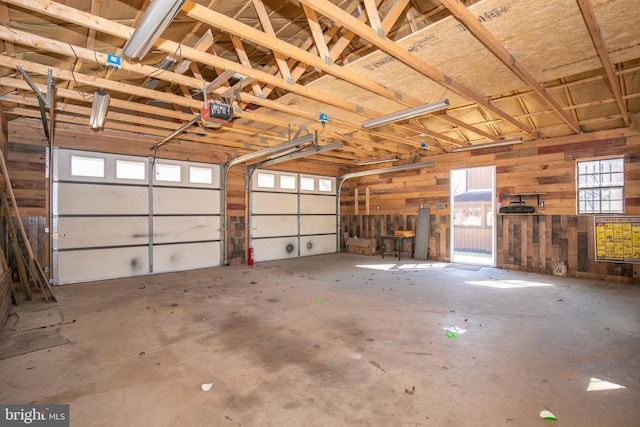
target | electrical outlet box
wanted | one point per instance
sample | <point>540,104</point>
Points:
<point>114,61</point>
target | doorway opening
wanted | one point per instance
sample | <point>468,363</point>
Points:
<point>473,217</point>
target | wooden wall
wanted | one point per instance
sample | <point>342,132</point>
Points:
<point>529,243</point>
<point>374,226</point>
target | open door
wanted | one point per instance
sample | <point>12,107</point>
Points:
<point>472,212</point>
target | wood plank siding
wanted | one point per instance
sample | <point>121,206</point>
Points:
<point>524,242</point>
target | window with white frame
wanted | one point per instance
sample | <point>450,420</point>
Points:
<point>307,183</point>
<point>325,185</point>
<point>266,180</point>
<point>199,175</point>
<point>170,173</point>
<point>601,186</point>
<point>126,169</point>
<point>87,166</point>
<point>287,182</point>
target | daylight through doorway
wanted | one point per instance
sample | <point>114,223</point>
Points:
<point>473,216</point>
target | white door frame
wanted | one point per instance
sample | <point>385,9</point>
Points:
<point>494,217</point>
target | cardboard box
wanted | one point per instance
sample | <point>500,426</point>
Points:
<point>404,233</point>
<point>361,246</point>
<point>361,251</point>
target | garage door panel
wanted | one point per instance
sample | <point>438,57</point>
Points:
<point>274,203</point>
<point>274,226</point>
<point>102,216</point>
<point>276,248</point>
<point>87,232</point>
<point>100,264</point>
<point>317,224</point>
<point>185,256</point>
<point>314,204</point>
<point>95,199</point>
<point>177,201</point>
<point>168,229</point>
<point>285,213</point>
<point>315,245</point>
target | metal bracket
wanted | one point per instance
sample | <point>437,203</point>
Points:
<point>43,101</point>
<point>26,76</point>
<point>51,86</point>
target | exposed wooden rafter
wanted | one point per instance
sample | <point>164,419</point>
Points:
<point>598,42</point>
<point>339,16</point>
<point>486,38</point>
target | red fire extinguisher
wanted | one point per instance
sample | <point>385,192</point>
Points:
<point>250,256</point>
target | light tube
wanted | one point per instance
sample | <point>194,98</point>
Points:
<point>407,114</point>
<point>488,145</point>
<point>99,109</point>
<point>156,19</point>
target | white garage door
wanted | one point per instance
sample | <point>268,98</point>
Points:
<point>292,215</point>
<point>113,218</point>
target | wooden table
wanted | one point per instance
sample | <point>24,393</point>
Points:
<point>397,242</point>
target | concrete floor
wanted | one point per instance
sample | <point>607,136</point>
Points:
<point>334,340</point>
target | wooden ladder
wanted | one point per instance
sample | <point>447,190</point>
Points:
<point>32,267</point>
<point>15,246</point>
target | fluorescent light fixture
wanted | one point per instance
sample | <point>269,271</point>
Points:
<point>375,162</point>
<point>99,109</point>
<point>156,19</point>
<point>270,150</point>
<point>386,170</point>
<point>407,114</point>
<point>488,145</point>
<point>390,169</point>
<point>300,154</point>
